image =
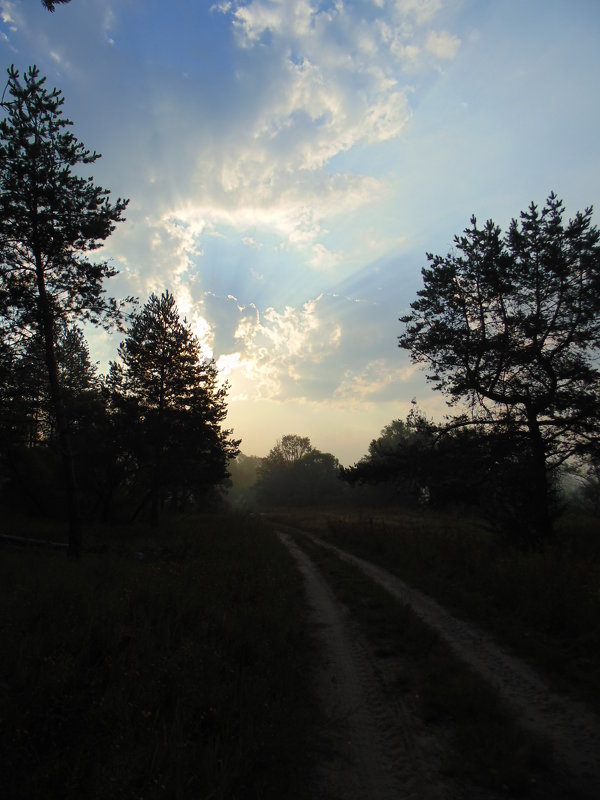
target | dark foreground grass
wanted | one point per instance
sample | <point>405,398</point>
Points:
<point>487,747</point>
<point>182,673</point>
<point>546,605</point>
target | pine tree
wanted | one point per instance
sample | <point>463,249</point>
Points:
<point>510,325</point>
<point>50,4</point>
<point>51,219</point>
<point>175,405</point>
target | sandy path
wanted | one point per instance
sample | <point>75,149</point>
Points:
<point>376,750</point>
<point>571,727</point>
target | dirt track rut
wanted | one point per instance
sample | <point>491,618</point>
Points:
<point>572,729</point>
<point>375,750</point>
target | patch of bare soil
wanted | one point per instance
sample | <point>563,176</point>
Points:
<point>571,727</point>
<point>375,748</point>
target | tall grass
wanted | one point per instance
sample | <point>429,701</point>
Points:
<point>180,674</point>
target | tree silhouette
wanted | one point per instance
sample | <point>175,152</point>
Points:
<point>50,4</point>
<point>51,218</point>
<point>174,405</point>
<point>29,445</point>
<point>511,326</point>
<point>295,473</point>
<point>400,459</point>
<point>30,402</point>
<point>290,448</point>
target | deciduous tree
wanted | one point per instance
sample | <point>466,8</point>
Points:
<point>295,473</point>
<point>399,459</point>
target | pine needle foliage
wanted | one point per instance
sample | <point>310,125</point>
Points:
<point>51,219</point>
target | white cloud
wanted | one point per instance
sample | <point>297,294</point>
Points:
<point>421,10</point>
<point>323,258</point>
<point>280,352</point>
<point>335,87</point>
<point>376,381</point>
<point>253,20</point>
<point>442,44</point>
<point>9,14</point>
<point>203,330</point>
<point>108,23</point>
<point>295,212</point>
<point>249,241</point>
<point>323,82</point>
<point>290,17</point>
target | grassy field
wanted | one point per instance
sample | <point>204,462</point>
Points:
<point>174,665</point>
<point>178,664</point>
<point>545,605</point>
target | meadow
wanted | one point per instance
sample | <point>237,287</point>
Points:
<point>178,662</point>
<point>171,665</point>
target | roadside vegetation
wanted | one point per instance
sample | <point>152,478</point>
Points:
<point>545,605</point>
<point>172,666</point>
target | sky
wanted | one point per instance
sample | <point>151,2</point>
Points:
<point>289,163</point>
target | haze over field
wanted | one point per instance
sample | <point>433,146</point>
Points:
<point>289,162</point>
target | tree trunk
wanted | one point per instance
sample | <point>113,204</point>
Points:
<point>157,477</point>
<point>154,506</point>
<point>156,480</point>
<point>540,495</point>
<point>64,440</point>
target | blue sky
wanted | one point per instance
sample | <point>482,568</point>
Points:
<point>289,163</point>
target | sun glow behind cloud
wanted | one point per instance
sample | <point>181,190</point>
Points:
<point>336,79</point>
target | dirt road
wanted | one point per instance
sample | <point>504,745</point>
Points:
<point>393,755</point>
<point>375,749</point>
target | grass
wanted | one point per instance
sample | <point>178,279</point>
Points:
<point>546,606</point>
<point>487,747</point>
<point>179,672</point>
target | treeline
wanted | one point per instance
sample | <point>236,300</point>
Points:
<point>416,462</point>
<point>146,438</point>
<point>73,443</point>
<point>485,469</point>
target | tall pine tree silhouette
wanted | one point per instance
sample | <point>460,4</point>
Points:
<point>51,219</point>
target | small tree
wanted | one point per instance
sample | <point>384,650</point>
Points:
<point>51,218</point>
<point>511,326</point>
<point>175,407</point>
